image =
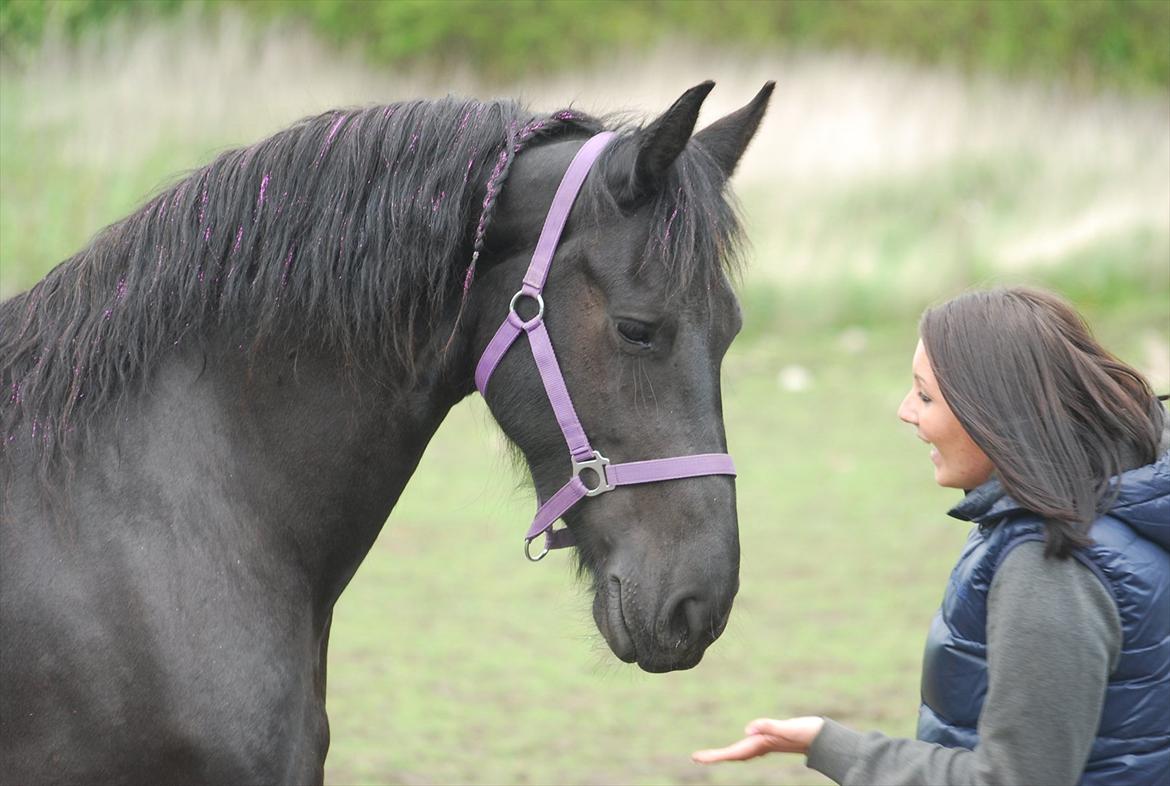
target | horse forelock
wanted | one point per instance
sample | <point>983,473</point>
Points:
<point>697,232</point>
<point>353,226</point>
<point>695,235</point>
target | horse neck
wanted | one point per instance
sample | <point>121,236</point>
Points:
<point>306,451</point>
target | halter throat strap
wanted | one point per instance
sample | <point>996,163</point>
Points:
<point>605,476</point>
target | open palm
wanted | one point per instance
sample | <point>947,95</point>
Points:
<point>766,735</point>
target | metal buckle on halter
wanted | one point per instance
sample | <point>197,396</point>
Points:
<point>598,464</point>
<point>539,304</point>
<point>528,550</point>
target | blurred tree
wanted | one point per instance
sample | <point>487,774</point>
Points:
<point>1090,43</point>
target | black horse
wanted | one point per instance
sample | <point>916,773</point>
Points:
<point>210,411</point>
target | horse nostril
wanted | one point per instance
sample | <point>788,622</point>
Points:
<point>688,621</point>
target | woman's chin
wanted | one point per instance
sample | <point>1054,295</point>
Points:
<point>945,479</point>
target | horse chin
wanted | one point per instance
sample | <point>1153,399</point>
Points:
<point>671,663</point>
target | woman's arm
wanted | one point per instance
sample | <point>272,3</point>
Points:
<point>1054,636</point>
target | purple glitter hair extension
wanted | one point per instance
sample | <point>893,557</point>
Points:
<point>470,275</point>
<point>263,190</point>
<point>341,116</point>
<point>202,228</point>
<point>174,206</point>
<point>495,184</point>
<point>288,260</point>
<point>670,221</point>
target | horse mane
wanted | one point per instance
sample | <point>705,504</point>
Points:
<point>353,229</point>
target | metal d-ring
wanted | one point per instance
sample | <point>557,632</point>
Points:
<point>598,464</point>
<point>528,550</point>
<point>539,305</point>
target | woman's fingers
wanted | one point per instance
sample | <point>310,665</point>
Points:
<point>767,735</point>
<point>749,748</point>
<point>765,726</point>
<point>793,735</point>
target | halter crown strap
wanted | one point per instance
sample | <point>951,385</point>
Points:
<point>583,457</point>
<point>546,246</point>
<point>558,214</point>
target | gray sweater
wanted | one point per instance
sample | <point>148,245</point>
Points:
<point>1053,639</point>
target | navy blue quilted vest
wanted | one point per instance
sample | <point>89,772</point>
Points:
<point>1131,557</point>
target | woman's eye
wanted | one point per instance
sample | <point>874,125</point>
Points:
<point>925,398</point>
<point>637,333</point>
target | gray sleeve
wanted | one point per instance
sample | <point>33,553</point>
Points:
<point>1053,638</point>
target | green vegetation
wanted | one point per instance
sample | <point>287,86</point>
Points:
<point>1091,42</point>
<point>882,248</point>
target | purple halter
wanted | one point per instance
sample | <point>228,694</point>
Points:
<point>581,453</point>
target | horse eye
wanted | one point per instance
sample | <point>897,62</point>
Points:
<point>638,333</point>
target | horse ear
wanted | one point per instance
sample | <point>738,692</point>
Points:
<point>727,138</point>
<point>656,146</point>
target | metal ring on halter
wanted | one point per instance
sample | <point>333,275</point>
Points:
<point>528,552</point>
<point>598,464</point>
<point>539,303</point>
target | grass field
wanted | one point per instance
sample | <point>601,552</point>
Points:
<point>872,190</point>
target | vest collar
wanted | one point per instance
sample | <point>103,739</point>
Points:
<point>984,503</point>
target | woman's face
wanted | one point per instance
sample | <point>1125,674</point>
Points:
<point>958,461</point>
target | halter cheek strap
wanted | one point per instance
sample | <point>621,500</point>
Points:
<point>605,475</point>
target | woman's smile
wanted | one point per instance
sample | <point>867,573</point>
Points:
<point>958,461</point>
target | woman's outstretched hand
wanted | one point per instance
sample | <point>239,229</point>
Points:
<point>765,735</point>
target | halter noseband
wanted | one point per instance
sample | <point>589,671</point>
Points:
<point>581,453</point>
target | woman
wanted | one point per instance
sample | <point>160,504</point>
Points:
<point>1049,660</point>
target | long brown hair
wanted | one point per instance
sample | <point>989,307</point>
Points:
<point>1056,413</point>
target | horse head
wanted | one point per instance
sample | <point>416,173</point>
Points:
<point>640,311</point>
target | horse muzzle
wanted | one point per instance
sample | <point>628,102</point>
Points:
<point>672,637</point>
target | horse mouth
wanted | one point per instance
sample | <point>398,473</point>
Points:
<point>611,621</point>
<point>613,612</point>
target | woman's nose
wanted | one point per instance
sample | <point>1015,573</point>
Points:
<point>906,410</point>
